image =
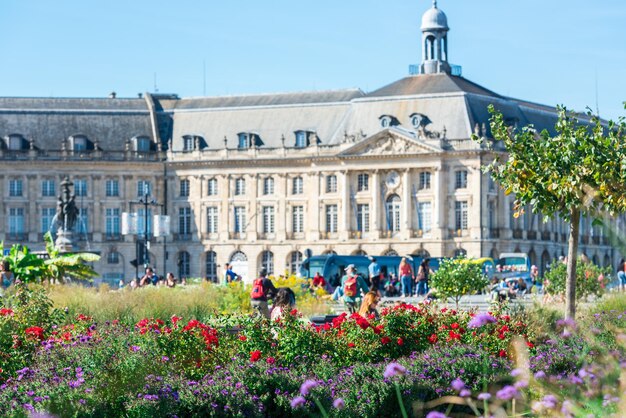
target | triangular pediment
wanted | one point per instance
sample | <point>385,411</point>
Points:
<point>390,142</point>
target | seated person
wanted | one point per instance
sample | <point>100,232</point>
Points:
<point>318,282</point>
<point>521,287</point>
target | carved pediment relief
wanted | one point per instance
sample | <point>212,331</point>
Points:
<point>387,143</point>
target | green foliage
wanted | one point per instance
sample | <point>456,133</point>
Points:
<point>25,265</point>
<point>580,170</point>
<point>458,277</point>
<point>591,279</point>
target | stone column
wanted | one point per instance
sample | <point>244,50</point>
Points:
<point>376,205</point>
<point>346,206</point>
<point>408,203</point>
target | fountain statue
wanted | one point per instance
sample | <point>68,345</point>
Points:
<point>66,215</point>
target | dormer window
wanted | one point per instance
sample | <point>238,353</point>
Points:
<point>302,139</point>
<point>142,144</point>
<point>387,121</point>
<point>15,142</point>
<point>419,120</point>
<point>79,143</point>
<point>188,143</point>
<point>248,139</point>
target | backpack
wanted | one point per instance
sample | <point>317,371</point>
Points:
<point>257,289</point>
<point>349,287</point>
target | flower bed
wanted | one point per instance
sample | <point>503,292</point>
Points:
<point>414,359</point>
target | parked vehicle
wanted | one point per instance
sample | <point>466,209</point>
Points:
<point>512,266</point>
<point>332,266</point>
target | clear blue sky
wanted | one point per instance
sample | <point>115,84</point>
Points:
<point>546,51</point>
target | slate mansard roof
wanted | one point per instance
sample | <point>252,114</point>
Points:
<point>451,104</point>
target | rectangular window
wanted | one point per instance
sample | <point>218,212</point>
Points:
<point>424,182</point>
<point>461,179</point>
<point>143,188</point>
<point>47,215</point>
<point>268,186</point>
<point>363,217</point>
<point>363,182</point>
<point>112,188</point>
<point>48,188</point>
<point>112,222</point>
<point>461,215</point>
<point>184,221</point>
<point>16,221</point>
<point>424,216</point>
<point>212,187</point>
<point>184,188</point>
<point>15,187</point>
<point>298,185</point>
<point>80,187</point>
<point>211,219</point>
<point>492,215</point>
<point>268,219</point>
<point>240,219</point>
<point>331,184</point>
<point>301,139</point>
<point>331,218</point>
<point>298,219</point>
<point>82,223</point>
<point>240,187</point>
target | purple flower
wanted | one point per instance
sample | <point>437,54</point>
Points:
<point>339,403</point>
<point>298,401</point>
<point>549,401</point>
<point>464,393</point>
<point>506,393</point>
<point>436,414</point>
<point>521,384</point>
<point>457,384</point>
<point>484,396</point>
<point>516,372</point>
<point>135,348</point>
<point>28,407</point>
<point>394,369</point>
<point>481,319</point>
<point>307,386</point>
<point>540,375</point>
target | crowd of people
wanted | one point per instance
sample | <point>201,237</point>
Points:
<point>150,278</point>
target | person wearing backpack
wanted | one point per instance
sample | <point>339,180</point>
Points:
<point>353,285</point>
<point>262,289</point>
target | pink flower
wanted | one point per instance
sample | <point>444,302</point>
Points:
<point>394,369</point>
<point>307,386</point>
<point>297,402</point>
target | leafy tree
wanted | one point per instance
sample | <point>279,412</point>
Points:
<point>580,170</point>
<point>456,277</point>
<point>26,266</point>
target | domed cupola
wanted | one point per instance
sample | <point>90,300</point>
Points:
<point>434,42</point>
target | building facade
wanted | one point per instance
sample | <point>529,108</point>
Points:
<point>258,179</point>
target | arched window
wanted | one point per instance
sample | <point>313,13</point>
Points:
<point>295,260</point>
<point>460,252</point>
<point>360,252</point>
<point>595,260</point>
<point>211,266</point>
<point>183,264</point>
<point>113,257</point>
<point>297,185</point>
<point>238,256</point>
<point>421,253</point>
<point>391,252</point>
<point>430,48</point>
<point>494,254</point>
<point>329,252</point>
<point>393,213</point>
<point>267,262</point>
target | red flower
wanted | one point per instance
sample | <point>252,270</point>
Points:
<point>385,340</point>
<point>6,312</point>
<point>270,360</point>
<point>400,341</point>
<point>455,325</point>
<point>242,338</point>
<point>255,356</point>
<point>82,317</point>
<point>175,319</point>
<point>67,336</point>
<point>433,338</point>
<point>294,312</point>
<point>36,332</point>
<point>529,344</point>
<point>502,353</point>
<point>378,329</point>
<point>454,336</point>
<point>351,345</point>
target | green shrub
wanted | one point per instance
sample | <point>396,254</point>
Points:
<point>590,279</point>
<point>458,277</point>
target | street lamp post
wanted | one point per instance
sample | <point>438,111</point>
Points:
<point>129,226</point>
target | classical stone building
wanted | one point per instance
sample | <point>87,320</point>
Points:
<point>257,179</point>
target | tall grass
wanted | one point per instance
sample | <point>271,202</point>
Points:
<point>193,301</point>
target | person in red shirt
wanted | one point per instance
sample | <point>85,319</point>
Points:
<point>317,282</point>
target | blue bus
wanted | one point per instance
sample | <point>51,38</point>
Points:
<point>332,266</point>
